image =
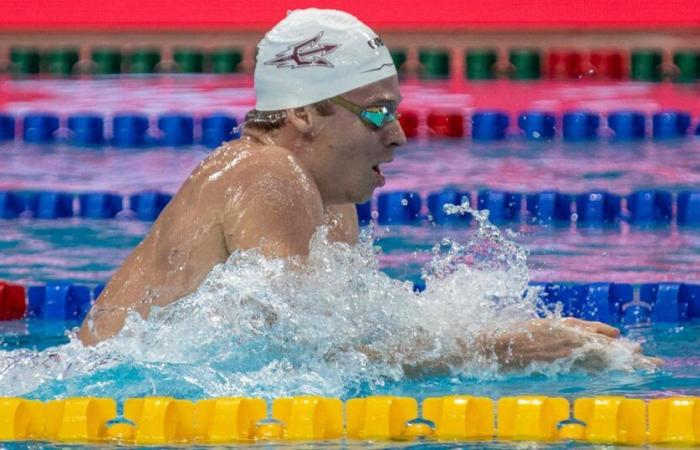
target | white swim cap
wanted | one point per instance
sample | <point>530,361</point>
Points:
<point>315,54</point>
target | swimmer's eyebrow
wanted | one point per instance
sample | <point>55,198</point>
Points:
<point>384,100</point>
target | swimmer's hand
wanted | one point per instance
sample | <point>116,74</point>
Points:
<point>546,340</point>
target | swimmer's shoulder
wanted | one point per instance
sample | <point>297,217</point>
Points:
<point>270,162</point>
<point>237,160</point>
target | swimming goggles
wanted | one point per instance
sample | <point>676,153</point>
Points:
<point>374,116</point>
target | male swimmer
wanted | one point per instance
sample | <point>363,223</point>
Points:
<point>324,123</point>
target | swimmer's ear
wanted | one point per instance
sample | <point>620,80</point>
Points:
<point>302,119</point>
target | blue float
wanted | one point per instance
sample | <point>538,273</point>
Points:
<point>670,124</point>
<point>100,205</point>
<point>667,304</point>
<point>217,129</point>
<point>537,125</point>
<point>148,204</point>
<point>647,292</point>
<point>11,205</point>
<point>50,205</point>
<point>418,286</point>
<point>26,199</point>
<point>489,125</point>
<point>176,129</point>
<point>580,126</point>
<point>59,300</point>
<point>690,294</point>
<point>7,127</point>
<point>438,200</point>
<point>649,206</point>
<point>636,313</point>
<point>503,206</point>
<point>597,208</point>
<point>627,125</point>
<point>86,129</point>
<point>40,128</point>
<point>36,296</point>
<point>398,207</point>
<point>620,293</point>
<point>129,130</point>
<point>364,212</point>
<point>688,205</point>
<point>548,206</point>
<point>599,304</point>
<point>569,298</point>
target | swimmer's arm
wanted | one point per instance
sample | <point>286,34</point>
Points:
<point>539,340</point>
<point>107,315</point>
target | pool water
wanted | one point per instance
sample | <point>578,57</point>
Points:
<point>171,355</point>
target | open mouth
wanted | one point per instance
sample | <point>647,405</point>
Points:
<point>380,175</point>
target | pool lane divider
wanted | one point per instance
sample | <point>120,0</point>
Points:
<point>613,303</point>
<point>128,130</point>
<point>643,208</point>
<point>488,125</point>
<point>434,62</point>
<point>144,205</point>
<point>167,420</point>
<point>55,300</point>
<point>179,129</point>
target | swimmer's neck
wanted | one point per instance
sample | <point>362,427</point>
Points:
<point>281,137</point>
<point>287,137</point>
<point>260,137</point>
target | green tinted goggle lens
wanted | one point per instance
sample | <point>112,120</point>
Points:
<point>378,116</point>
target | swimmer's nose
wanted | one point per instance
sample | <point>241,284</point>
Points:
<point>394,135</point>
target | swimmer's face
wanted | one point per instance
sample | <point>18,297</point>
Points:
<point>351,153</point>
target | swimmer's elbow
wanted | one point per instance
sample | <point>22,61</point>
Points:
<point>86,336</point>
<point>96,328</point>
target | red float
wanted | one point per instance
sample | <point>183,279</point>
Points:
<point>565,65</point>
<point>409,122</point>
<point>608,64</point>
<point>13,303</point>
<point>446,123</point>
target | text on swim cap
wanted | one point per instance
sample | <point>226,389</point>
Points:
<point>376,43</point>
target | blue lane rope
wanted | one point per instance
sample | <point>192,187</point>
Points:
<point>128,130</point>
<point>643,208</point>
<point>178,129</point>
<point>612,303</point>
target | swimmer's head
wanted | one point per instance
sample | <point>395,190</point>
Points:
<point>327,89</point>
<point>316,54</point>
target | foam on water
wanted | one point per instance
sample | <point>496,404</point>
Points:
<point>262,327</point>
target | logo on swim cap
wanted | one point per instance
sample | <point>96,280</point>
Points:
<point>307,53</point>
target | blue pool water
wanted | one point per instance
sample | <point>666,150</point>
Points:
<point>191,362</point>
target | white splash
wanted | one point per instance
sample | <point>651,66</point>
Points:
<point>261,327</point>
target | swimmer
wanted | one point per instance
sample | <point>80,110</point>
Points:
<point>324,124</point>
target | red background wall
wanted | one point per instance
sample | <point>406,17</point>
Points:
<point>161,15</point>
